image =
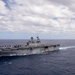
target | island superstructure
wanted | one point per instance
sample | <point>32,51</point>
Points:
<point>31,47</point>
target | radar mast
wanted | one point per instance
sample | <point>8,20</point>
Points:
<point>38,40</point>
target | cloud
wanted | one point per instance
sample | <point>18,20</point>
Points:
<point>3,9</point>
<point>69,3</point>
<point>32,16</point>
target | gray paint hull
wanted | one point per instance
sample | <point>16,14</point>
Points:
<point>27,51</point>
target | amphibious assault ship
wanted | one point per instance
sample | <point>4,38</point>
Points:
<point>31,47</point>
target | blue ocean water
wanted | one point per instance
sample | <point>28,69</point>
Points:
<point>61,62</point>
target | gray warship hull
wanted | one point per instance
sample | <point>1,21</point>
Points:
<point>28,50</point>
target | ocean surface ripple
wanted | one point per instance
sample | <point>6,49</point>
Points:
<point>61,62</point>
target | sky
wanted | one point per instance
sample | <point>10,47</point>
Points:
<point>49,19</point>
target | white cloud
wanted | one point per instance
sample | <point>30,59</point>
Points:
<point>44,16</point>
<point>3,9</point>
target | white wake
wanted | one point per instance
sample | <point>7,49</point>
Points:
<point>65,48</point>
